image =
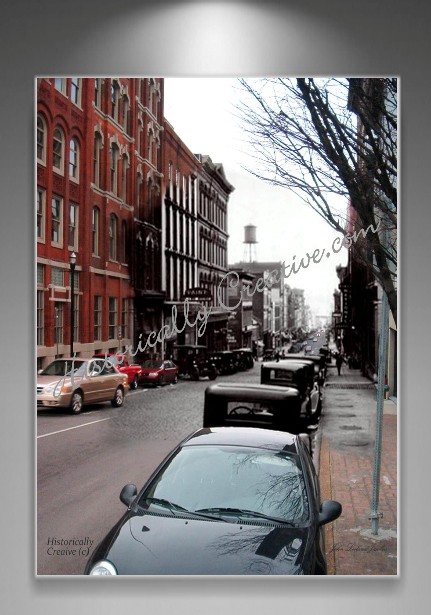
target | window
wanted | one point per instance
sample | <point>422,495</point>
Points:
<point>59,322</point>
<point>114,168</point>
<point>40,214</point>
<point>57,276</point>
<point>41,139</point>
<point>40,317</point>
<point>97,317</point>
<point>75,91</point>
<point>125,112</point>
<point>140,135</point>
<point>125,166</point>
<point>123,241</point>
<point>115,100</point>
<point>74,160</point>
<point>95,231</point>
<point>125,316</point>
<point>112,318</point>
<point>60,85</point>
<point>58,150</point>
<point>56,220</point>
<point>98,93</point>
<point>73,226</point>
<point>98,145</point>
<point>40,275</point>
<point>113,237</point>
<point>138,194</point>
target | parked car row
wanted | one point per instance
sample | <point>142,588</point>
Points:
<point>73,383</point>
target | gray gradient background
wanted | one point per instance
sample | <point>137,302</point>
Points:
<point>88,37</point>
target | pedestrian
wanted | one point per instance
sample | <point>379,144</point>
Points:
<point>339,362</point>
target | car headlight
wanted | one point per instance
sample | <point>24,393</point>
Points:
<point>103,568</point>
<point>57,389</point>
<point>153,374</point>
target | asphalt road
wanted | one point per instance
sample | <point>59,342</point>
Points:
<point>83,461</point>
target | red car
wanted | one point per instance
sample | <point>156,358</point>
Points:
<point>159,372</point>
<point>133,371</point>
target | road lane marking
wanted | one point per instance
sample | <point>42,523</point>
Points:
<point>75,427</point>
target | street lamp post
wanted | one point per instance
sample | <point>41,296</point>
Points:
<point>72,262</point>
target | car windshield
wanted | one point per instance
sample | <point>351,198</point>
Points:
<point>64,368</point>
<point>233,479</point>
<point>151,364</point>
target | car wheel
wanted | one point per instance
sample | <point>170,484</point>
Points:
<point>134,384</point>
<point>76,403</point>
<point>118,398</point>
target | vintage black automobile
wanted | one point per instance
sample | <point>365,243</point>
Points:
<point>225,362</point>
<point>300,375</point>
<point>193,362</point>
<point>244,358</point>
<point>252,405</point>
<point>226,501</point>
<point>319,361</point>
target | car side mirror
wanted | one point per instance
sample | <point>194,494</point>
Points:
<point>128,494</point>
<point>329,511</point>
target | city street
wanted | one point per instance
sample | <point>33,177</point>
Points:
<point>83,462</point>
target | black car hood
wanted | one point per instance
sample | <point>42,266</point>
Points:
<point>152,544</point>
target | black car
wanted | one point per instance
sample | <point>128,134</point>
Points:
<point>193,362</point>
<point>243,358</point>
<point>225,362</point>
<point>252,405</point>
<point>298,374</point>
<point>226,501</point>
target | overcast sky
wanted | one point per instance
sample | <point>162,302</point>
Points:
<point>202,113</point>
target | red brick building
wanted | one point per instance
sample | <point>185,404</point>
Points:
<point>99,181</point>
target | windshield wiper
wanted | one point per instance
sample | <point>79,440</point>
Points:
<point>247,513</point>
<point>177,508</point>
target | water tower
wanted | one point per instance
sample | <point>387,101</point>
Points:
<point>250,242</point>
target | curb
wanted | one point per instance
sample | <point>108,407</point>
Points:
<point>326,494</point>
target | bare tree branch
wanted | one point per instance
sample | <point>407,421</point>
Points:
<point>326,138</point>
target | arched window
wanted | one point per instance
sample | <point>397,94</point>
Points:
<point>41,139</point>
<point>58,150</point>
<point>95,231</point>
<point>113,230</point>
<point>74,160</point>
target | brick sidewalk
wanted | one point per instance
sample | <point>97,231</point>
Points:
<point>346,474</point>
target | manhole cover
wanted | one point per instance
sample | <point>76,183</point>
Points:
<point>350,427</point>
